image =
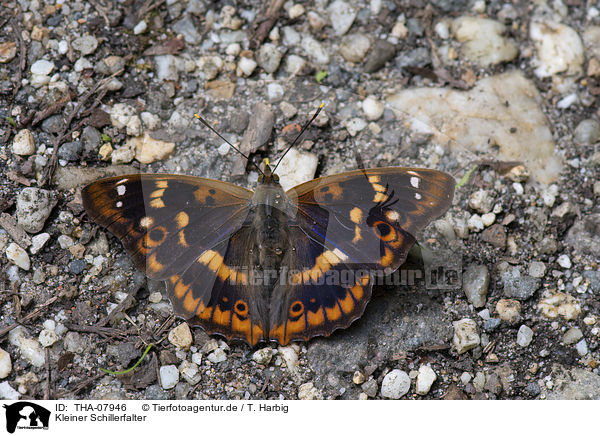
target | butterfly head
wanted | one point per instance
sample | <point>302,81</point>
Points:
<point>267,177</point>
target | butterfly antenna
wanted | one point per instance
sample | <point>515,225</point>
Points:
<point>300,134</point>
<point>203,121</point>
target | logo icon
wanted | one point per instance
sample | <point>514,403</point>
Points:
<point>26,415</point>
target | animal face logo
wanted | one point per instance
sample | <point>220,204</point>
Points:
<point>26,415</point>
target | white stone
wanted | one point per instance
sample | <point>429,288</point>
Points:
<point>354,47</point>
<point>442,29</point>
<point>217,356</point>
<point>482,40</point>
<point>275,92</point>
<point>42,67</point>
<point>5,364</point>
<point>355,125</point>
<point>155,297</point>
<point>246,66</point>
<point>481,201</point>
<point>558,48</point>
<point>307,391</point>
<point>477,119</point>
<point>18,256</point>
<point>190,372</point>
<point>297,167</point>
<point>315,50</point>
<point>65,242</point>
<point>85,44</point>
<point>167,67</point>
<point>564,261</point>
<point>488,219</point>
<point>296,11</point>
<point>181,336</point>
<point>581,347</point>
<point>425,379</point>
<point>466,336</point>
<point>475,223</point>
<point>7,392</point>
<point>48,338</point>
<point>82,64</point>
<point>38,242</point>
<point>395,384</point>
<point>263,356</point>
<point>151,121</point>
<point>294,64</point>
<point>524,336</point>
<point>572,336</point>
<point>465,378</point>
<point>341,16</point>
<point>197,358</point>
<point>23,143</point>
<point>148,150</point>
<point>290,357</point>
<point>537,269</point>
<point>169,376</point>
<point>372,108</point>
<point>123,154</point>
<point>140,27</point>
<point>30,348</point>
<point>518,188</point>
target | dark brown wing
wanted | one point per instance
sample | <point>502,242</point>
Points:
<point>350,227</point>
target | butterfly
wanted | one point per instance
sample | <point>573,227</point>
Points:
<point>270,265</point>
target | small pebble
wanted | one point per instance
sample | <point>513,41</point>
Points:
<point>476,281</point>
<point>524,336</point>
<point>509,310</point>
<point>307,391</point>
<point>465,378</point>
<point>479,381</point>
<point>268,58</point>
<point>42,67</point>
<point>560,304</point>
<point>48,338</point>
<point>358,378</point>
<point>86,44</point>
<point>5,364</point>
<point>290,357</point>
<point>537,269</point>
<point>466,336</point>
<point>190,372</point>
<point>425,379</point>
<point>181,336</point>
<point>169,376</point>
<point>23,143</point>
<point>18,256</point>
<point>7,392</point>
<point>140,27</point>
<point>217,356</point>
<point>263,356</point>
<point>475,223</point>
<point>481,201</point>
<point>372,108</point>
<point>395,384</point>
<point>354,47</point>
<point>581,347</point>
<point>587,131</point>
<point>34,206</point>
<point>246,66</point>
<point>30,348</point>
<point>341,16</point>
<point>572,335</point>
<point>564,261</point>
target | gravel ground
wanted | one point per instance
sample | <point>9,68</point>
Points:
<point>505,92</point>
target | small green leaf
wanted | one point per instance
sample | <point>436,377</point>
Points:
<point>465,178</point>
<point>321,75</point>
<point>106,138</point>
<point>125,371</point>
<point>12,121</point>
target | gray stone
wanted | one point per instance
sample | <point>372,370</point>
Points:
<point>537,269</point>
<point>520,288</point>
<point>584,235</point>
<point>187,29</point>
<point>572,335</point>
<point>587,131</point>
<point>34,206</point>
<point>574,384</point>
<point>466,336</point>
<point>533,389</point>
<point>491,324</point>
<point>77,266</point>
<point>86,44</point>
<point>70,151</point>
<point>354,47</point>
<point>476,281</point>
<point>269,57</point>
<point>524,336</point>
<point>341,16</point>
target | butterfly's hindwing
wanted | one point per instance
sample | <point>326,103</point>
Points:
<point>219,292</point>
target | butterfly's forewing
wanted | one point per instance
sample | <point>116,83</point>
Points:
<point>166,221</point>
<point>362,222</point>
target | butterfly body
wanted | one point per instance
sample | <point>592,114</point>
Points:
<point>270,265</point>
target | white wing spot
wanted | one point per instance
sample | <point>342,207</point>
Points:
<point>121,189</point>
<point>418,196</point>
<point>119,204</point>
<point>392,215</point>
<point>414,181</point>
